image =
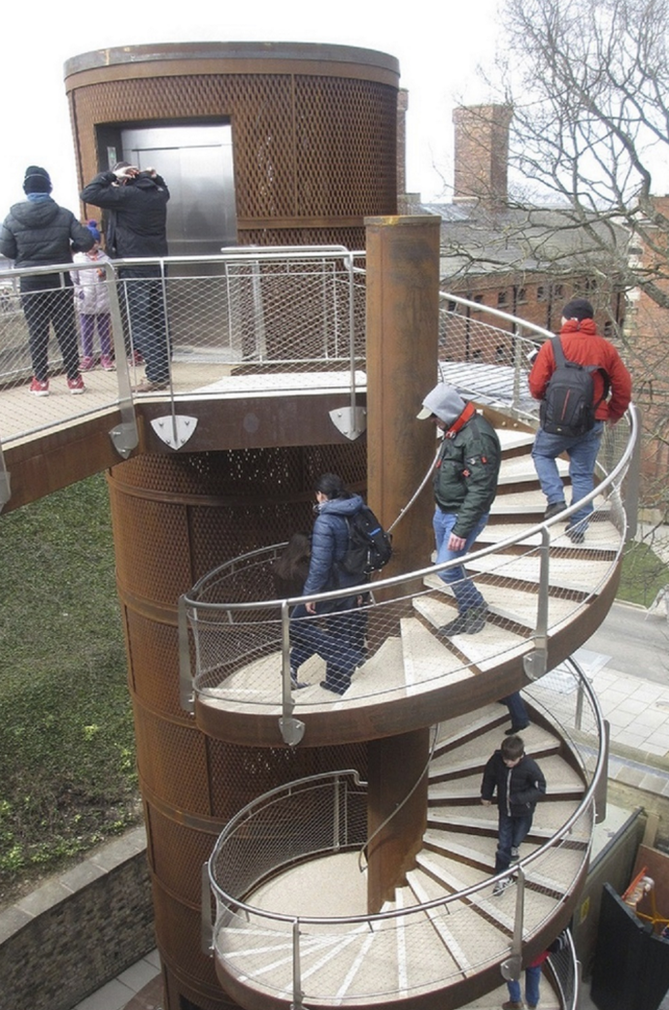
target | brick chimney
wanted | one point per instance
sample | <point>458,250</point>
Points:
<point>481,153</point>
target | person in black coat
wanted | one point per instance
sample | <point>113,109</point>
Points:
<point>38,233</point>
<point>342,643</point>
<point>519,783</point>
<point>137,227</point>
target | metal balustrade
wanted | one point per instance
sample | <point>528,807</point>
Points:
<point>244,321</point>
<point>535,580</point>
<point>408,948</point>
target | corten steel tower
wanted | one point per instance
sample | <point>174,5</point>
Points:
<point>313,126</point>
<point>314,150</point>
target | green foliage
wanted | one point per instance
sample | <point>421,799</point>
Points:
<point>643,575</point>
<point>66,736</point>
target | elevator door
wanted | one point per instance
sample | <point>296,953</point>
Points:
<point>196,163</point>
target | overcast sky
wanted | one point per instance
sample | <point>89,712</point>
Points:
<point>439,47</point>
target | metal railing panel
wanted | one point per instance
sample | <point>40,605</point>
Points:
<point>357,957</point>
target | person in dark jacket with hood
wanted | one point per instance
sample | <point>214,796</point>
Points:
<point>342,644</point>
<point>38,233</point>
<point>519,783</point>
<point>465,484</point>
<point>137,227</point>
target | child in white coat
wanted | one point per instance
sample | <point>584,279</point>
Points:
<point>92,303</point>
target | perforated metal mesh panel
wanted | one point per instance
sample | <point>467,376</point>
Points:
<point>316,148</point>
<point>176,517</point>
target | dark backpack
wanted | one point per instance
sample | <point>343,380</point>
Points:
<point>369,546</point>
<point>568,407</point>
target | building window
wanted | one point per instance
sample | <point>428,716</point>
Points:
<point>541,293</point>
<point>501,298</point>
<point>608,328</point>
<point>478,299</point>
<point>521,296</point>
<point>558,290</point>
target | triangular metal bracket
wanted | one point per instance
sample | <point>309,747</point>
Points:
<point>174,429</point>
<point>350,421</point>
<point>292,730</point>
<point>125,438</point>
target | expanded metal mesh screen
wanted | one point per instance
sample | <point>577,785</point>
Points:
<point>304,145</point>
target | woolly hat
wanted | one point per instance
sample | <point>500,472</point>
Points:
<point>445,402</point>
<point>93,229</point>
<point>578,308</point>
<point>36,180</point>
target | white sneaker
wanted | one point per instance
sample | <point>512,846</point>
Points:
<point>501,886</point>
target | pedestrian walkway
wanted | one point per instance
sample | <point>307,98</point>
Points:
<point>139,987</point>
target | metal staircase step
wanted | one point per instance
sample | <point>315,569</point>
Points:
<point>564,574</point>
<point>426,657</point>
<point>471,946</point>
<point>518,605</point>
<point>484,649</point>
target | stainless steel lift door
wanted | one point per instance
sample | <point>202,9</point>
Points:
<point>196,163</point>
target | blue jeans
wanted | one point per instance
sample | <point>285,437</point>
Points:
<point>464,590</point>
<point>341,643</point>
<point>582,451</point>
<point>517,710</point>
<point>512,831</point>
<point>146,311</point>
<point>532,979</point>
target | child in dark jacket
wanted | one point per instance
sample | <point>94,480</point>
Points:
<point>518,782</point>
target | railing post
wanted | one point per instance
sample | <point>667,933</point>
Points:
<point>535,663</point>
<point>350,421</point>
<point>601,792</point>
<point>186,689</point>
<point>336,840</point>
<point>292,730</point>
<point>124,436</point>
<point>5,489</point>
<point>298,994</point>
<point>206,925</point>
<point>511,967</point>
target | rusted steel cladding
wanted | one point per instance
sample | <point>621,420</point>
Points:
<point>175,518</point>
<point>314,128</point>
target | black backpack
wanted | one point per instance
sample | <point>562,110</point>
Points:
<point>568,407</point>
<point>369,546</point>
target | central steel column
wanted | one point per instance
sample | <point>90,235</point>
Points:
<point>402,346</point>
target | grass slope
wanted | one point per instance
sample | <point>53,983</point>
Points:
<point>67,765</point>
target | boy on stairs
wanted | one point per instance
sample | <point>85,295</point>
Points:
<point>519,782</point>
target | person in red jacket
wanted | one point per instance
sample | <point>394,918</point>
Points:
<point>580,343</point>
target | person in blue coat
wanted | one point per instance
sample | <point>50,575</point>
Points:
<point>340,642</point>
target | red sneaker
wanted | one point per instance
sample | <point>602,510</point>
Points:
<point>87,364</point>
<point>38,388</point>
<point>76,386</point>
<point>106,363</point>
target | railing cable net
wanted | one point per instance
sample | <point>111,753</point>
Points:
<point>323,815</point>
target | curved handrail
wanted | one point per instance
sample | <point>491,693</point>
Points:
<point>527,861</point>
<point>235,907</point>
<point>210,604</point>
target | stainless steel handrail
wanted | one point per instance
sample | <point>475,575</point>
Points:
<point>527,861</point>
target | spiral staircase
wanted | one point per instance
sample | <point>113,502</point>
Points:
<point>287,874</point>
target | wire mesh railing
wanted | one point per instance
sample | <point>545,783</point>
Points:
<point>266,935</point>
<point>199,327</point>
<point>388,638</point>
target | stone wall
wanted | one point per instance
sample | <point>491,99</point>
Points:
<point>78,930</point>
